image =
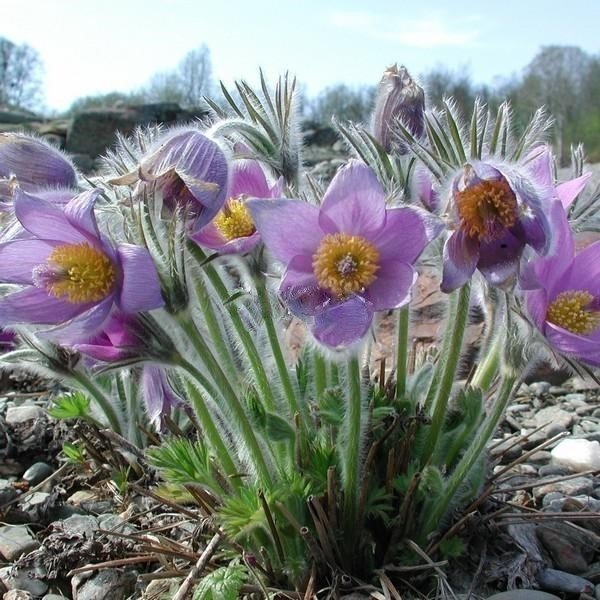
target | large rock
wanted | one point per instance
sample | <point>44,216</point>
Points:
<point>92,131</point>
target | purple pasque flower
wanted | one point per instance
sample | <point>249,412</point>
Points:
<point>158,395</point>
<point>190,171</point>
<point>71,275</point>
<point>121,338</point>
<point>232,231</point>
<point>498,210</point>
<point>347,258</point>
<point>34,164</point>
<point>562,294</point>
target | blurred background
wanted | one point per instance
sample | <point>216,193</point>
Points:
<point>132,61</point>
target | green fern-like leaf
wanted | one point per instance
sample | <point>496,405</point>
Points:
<point>74,405</point>
<point>223,584</point>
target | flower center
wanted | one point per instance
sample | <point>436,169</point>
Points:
<point>571,311</point>
<point>487,209</point>
<point>234,221</point>
<point>345,264</point>
<point>79,273</point>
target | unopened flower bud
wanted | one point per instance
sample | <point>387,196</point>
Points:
<point>34,163</point>
<point>399,98</point>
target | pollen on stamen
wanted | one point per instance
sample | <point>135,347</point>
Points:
<point>234,221</point>
<point>79,273</point>
<point>570,310</point>
<point>486,209</point>
<point>345,264</point>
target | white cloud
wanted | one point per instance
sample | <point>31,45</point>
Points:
<point>425,32</point>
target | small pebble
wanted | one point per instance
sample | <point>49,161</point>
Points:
<point>539,387</point>
<point>577,454</point>
<point>559,581</point>
<point>523,595</point>
<point>37,472</point>
<point>16,540</point>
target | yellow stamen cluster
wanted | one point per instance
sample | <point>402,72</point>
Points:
<point>234,221</point>
<point>80,273</point>
<point>570,311</point>
<point>486,209</point>
<point>345,264</point>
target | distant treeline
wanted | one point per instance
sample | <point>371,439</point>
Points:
<point>564,79</point>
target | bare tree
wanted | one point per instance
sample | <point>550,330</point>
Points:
<point>186,85</point>
<point>20,75</point>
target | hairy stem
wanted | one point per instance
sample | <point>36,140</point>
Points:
<point>455,329</point>
<point>401,352</point>
<point>222,382</point>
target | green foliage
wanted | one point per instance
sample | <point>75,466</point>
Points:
<point>185,462</point>
<point>75,453</point>
<point>452,547</point>
<point>224,583</point>
<point>73,405</point>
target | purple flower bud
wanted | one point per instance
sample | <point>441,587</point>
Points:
<point>399,98</point>
<point>34,163</point>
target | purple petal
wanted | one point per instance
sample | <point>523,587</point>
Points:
<point>406,233</point>
<point>568,191</point>
<point>45,220</point>
<point>499,260</point>
<point>287,227</point>
<point>539,162</point>
<point>299,288</point>
<point>33,305</point>
<point>140,289</point>
<point>247,177</point>
<point>19,258</point>
<point>393,285</point>
<point>354,201</point>
<point>344,324</point>
<point>80,212</point>
<point>87,324</point>
<point>35,163</point>
<point>537,307</point>
<point>424,191</point>
<point>584,273</point>
<point>461,254</point>
<point>571,343</point>
<point>158,396</point>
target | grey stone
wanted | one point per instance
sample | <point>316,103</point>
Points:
<point>7,492</point>
<point>557,390</point>
<point>115,523</point>
<point>556,416</point>
<point>16,540</point>
<point>19,415</point>
<point>37,472</point>
<point>29,580</point>
<point>568,487</point>
<point>566,554</point>
<point>554,471</point>
<point>559,581</point>
<point>53,597</point>
<point>115,584</point>
<point>523,595</point>
<point>17,595</point>
<point>539,387</point>
<point>84,525</point>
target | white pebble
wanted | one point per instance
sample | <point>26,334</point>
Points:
<point>577,454</point>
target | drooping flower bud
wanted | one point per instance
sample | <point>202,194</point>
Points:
<point>34,164</point>
<point>399,98</point>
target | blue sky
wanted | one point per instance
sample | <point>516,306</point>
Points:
<point>97,46</point>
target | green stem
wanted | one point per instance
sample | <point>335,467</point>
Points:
<point>351,448</point>
<point>488,367</point>
<point>229,395</point>
<point>205,417</point>
<point>401,352</point>
<point>98,395</point>
<point>214,329</point>
<point>455,329</point>
<point>267,315</point>
<point>260,376</point>
<point>320,373</point>
<point>473,453</point>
